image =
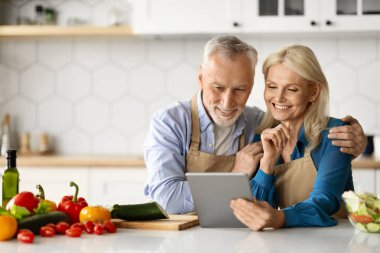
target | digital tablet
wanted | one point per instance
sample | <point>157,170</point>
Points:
<point>212,193</point>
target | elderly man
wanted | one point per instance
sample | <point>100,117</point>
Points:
<point>214,130</point>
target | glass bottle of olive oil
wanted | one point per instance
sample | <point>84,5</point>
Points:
<point>10,178</point>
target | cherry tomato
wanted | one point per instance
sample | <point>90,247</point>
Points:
<point>109,227</point>
<point>98,229</point>
<point>25,236</point>
<point>78,225</point>
<point>89,227</point>
<point>62,227</point>
<point>74,232</point>
<point>53,226</point>
<point>364,219</point>
<point>46,231</point>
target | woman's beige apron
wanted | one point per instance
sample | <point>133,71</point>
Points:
<point>295,181</point>
<point>197,161</point>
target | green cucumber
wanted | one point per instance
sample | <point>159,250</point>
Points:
<point>361,227</point>
<point>373,227</point>
<point>35,222</point>
<point>146,211</point>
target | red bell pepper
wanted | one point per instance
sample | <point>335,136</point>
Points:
<point>24,199</point>
<point>72,205</point>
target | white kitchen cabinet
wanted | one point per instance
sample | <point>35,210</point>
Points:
<point>254,16</point>
<point>350,15</point>
<point>98,185</point>
<point>281,15</point>
<point>55,181</point>
<point>311,15</point>
<point>364,180</point>
<point>187,16</point>
<point>117,186</point>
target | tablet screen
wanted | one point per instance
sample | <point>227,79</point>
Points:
<point>212,193</point>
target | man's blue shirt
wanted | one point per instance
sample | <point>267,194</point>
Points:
<point>167,144</point>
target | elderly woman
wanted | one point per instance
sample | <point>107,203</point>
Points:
<point>301,175</point>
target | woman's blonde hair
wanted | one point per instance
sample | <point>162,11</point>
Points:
<point>302,61</point>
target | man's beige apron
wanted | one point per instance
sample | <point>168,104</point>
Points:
<point>295,181</point>
<point>197,161</point>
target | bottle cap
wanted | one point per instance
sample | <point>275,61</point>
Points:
<point>39,8</point>
<point>11,153</point>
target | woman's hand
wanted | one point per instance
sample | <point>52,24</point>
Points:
<point>248,158</point>
<point>257,215</point>
<point>350,138</point>
<point>274,141</point>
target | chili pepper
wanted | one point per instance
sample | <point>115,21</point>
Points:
<point>72,205</point>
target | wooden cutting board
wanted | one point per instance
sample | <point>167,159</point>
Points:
<point>175,222</point>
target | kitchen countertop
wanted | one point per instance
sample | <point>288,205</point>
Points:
<point>341,238</point>
<point>131,161</point>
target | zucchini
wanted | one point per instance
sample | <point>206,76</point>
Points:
<point>35,222</point>
<point>146,211</point>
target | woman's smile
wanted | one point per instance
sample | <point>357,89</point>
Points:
<point>280,107</point>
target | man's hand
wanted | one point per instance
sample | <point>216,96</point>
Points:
<point>257,215</point>
<point>350,138</point>
<point>248,158</point>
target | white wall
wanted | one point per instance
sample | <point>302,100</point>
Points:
<point>96,95</point>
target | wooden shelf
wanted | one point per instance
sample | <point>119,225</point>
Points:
<point>366,162</point>
<point>103,161</point>
<point>62,31</point>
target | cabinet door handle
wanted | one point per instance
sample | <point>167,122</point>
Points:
<point>236,24</point>
<point>328,22</point>
<point>313,23</point>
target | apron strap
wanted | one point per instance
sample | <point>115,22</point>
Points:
<point>195,136</point>
<point>242,140</point>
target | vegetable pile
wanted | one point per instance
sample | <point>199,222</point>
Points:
<point>27,215</point>
<point>363,211</point>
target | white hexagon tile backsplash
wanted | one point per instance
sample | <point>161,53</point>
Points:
<point>96,96</point>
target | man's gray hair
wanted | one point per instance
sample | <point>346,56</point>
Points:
<point>230,46</point>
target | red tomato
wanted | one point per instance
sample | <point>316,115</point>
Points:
<point>364,219</point>
<point>89,227</point>
<point>98,229</point>
<point>25,236</point>
<point>74,232</point>
<point>62,227</point>
<point>78,225</point>
<point>109,227</point>
<point>53,226</point>
<point>46,231</point>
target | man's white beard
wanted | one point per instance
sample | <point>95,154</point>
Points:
<point>221,121</point>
